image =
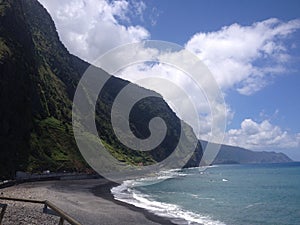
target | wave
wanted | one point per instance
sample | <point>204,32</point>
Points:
<point>128,194</point>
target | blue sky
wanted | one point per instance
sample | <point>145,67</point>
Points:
<point>258,70</point>
<point>178,21</point>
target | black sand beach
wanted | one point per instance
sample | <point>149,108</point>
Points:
<point>88,201</point>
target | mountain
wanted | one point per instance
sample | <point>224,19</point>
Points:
<point>236,155</point>
<point>38,79</point>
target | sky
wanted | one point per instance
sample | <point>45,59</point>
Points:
<point>252,49</point>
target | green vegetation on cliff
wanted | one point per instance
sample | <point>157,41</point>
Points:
<point>38,79</point>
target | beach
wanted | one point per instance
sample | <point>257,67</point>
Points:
<point>88,201</point>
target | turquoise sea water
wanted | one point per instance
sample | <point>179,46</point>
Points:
<point>261,194</point>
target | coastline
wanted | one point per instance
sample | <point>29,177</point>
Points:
<point>76,198</point>
<point>103,191</point>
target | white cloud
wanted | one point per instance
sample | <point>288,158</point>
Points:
<point>89,28</point>
<point>139,7</point>
<point>178,89</point>
<point>261,136</point>
<point>241,57</point>
<point>245,57</point>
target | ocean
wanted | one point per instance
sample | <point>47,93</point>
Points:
<point>256,194</point>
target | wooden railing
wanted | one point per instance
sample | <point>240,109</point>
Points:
<point>3,206</point>
<point>56,211</point>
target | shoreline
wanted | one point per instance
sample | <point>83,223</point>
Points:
<point>88,201</point>
<point>104,191</point>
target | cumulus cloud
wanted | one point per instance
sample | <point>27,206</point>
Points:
<point>89,28</point>
<point>261,136</point>
<point>179,89</point>
<point>241,57</point>
<point>245,57</point>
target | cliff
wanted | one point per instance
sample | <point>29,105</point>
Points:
<point>38,79</point>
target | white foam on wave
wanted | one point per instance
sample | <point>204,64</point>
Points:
<point>161,176</point>
<point>126,193</point>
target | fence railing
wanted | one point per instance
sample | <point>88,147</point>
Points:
<point>3,208</point>
<point>57,211</point>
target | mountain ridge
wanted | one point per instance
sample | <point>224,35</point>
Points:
<point>38,81</point>
<point>237,155</point>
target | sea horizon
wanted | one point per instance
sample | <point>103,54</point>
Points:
<point>220,194</point>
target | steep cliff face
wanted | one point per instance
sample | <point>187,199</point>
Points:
<point>34,100</point>
<point>38,79</point>
<point>16,88</point>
